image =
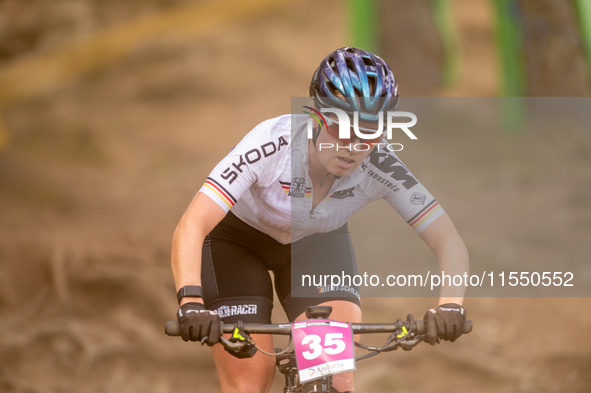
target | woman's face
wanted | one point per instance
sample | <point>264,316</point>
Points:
<point>342,156</point>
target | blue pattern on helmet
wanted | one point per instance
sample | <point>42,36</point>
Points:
<point>353,82</point>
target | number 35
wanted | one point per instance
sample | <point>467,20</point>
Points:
<point>333,344</point>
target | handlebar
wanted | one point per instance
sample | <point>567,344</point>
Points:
<point>405,334</point>
<point>172,328</point>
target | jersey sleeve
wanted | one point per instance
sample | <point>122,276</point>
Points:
<point>417,206</point>
<point>403,191</point>
<point>247,164</point>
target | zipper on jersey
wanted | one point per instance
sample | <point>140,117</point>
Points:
<point>316,208</point>
<point>321,202</point>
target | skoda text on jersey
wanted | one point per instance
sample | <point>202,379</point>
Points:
<point>265,181</point>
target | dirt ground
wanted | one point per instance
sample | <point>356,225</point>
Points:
<point>97,173</point>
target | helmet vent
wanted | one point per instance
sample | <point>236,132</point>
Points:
<point>372,82</point>
<point>350,64</point>
<point>333,89</point>
<point>331,62</point>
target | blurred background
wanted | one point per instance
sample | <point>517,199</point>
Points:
<point>112,113</point>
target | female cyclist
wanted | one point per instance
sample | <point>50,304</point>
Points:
<point>280,201</point>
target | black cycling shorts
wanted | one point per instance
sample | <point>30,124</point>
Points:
<point>237,259</point>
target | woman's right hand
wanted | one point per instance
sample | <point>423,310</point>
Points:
<point>198,323</point>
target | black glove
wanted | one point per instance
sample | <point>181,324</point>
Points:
<point>197,322</point>
<point>446,322</point>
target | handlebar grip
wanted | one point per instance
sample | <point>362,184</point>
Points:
<point>172,328</point>
<point>467,326</point>
<point>422,329</point>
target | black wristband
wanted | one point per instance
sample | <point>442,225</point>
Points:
<point>189,291</point>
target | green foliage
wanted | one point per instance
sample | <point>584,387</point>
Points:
<point>362,19</point>
<point>510,48</point>
<point>584,12</point>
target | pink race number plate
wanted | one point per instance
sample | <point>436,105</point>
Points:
<point>322,348</point>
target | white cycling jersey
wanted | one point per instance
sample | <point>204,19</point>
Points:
<point>264,180</point>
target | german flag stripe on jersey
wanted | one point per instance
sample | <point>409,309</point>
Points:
<point>220,191</point>
<point>425,213</point>
<point>285,185</point>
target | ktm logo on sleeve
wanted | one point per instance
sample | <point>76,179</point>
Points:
<point>388,163</point>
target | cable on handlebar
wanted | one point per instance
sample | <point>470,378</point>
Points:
<point>240,336</point>
<point>276,353</point>
<point>395,340</point>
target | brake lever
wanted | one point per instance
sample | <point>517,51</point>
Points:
<point>230,345</point>
<point>226,343</point>
<point>410,344</point>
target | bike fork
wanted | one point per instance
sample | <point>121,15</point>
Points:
<point>290,383</point>
<point>322,385</point>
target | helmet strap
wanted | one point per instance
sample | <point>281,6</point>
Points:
<point>316,134</point>
<point>335,177</point>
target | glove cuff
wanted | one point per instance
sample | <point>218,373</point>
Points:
<point>199,307</point>
<point>452,307</point>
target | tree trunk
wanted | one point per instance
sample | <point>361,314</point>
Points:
<point>554,52</point>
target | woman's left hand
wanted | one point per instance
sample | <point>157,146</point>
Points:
<point>445,322</point>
